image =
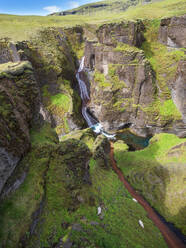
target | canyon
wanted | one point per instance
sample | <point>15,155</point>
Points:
<point>63,94</point>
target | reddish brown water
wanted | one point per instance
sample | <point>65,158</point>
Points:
<point>171,239</point>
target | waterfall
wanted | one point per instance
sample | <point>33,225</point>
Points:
<point>92,123</point>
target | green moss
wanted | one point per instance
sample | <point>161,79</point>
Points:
<point>21,204</point>
<point>120,146</point>
<point>122,47</point>
<point>85,135</point>
<point>43,135</point>
<point>120,215</point>
<point>158,173</point>
<point>163,61</point>
<point>61,100</point>
<point>114,78</point>
<point>101,80</point>
<point>58,173</point>
<point>168,109</point>
<point>11,69</point>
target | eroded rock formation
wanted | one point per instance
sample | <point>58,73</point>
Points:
<point>173,31</point>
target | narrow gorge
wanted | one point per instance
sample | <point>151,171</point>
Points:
<point>65,94</point>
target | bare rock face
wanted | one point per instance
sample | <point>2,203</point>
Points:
<point>172,31</point>
<point>125,32</point>
<point>122,86</point>
<point>18,101</point>
<point>179,89</point>
<point>8,52</point>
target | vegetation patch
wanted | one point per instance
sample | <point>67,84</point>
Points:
<point>61,100</point>
<point>157,173</point>
<point>101,80</point>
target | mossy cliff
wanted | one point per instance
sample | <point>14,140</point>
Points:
<point>66,186</point>
<point>52,54</point>
<point>19,96</point>
<point>158,172</point>
<point>37,84</point>
<point>137,85</point>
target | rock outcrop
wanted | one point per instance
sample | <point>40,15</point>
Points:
<point>19,97</point>
<point>130,33</point>
<point>8,52</point>
<point>179,89</point>
<point>123,85</point>
<point>126,85</point>
<point>173,31</point>
<point>101,150</point>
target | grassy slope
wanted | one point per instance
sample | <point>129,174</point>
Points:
<point>118,226</point>
<point>158,172</point>
<point>96,7</point>
<point>25,26</point>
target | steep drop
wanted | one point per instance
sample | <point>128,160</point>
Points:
<point>93,123</point>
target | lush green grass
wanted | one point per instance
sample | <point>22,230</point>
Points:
<point>23,27</point>
<point>103,6</point>
<point>158,172</point>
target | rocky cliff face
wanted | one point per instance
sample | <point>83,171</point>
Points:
<point>37,84</point>
<point>127,87</point>
<point>8,52</point>
<point>19,96</point>
<point>55,63</point>
<point>173,31</point>
<point>123,81</point>
<point>179,89</point>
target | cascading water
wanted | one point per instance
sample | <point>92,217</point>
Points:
<point>92,123</point>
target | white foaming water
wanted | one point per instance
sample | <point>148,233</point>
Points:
<point>96,126</point>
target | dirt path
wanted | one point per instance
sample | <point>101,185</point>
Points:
<point>172,240</point>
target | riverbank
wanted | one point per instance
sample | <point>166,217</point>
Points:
<point>169,236</point>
